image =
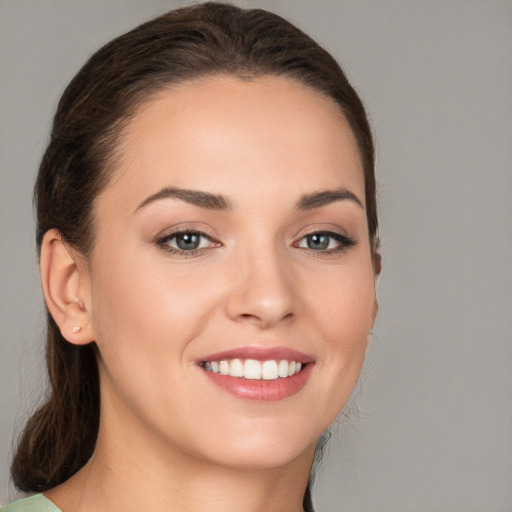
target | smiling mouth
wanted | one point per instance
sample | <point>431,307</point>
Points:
<point>252,369</point>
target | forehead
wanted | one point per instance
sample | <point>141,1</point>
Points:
<point>220,131</point>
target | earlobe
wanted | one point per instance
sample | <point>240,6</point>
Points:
<point>377,264</point>
<point>65,283</point>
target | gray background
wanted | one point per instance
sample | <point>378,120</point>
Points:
<point>430,429</point>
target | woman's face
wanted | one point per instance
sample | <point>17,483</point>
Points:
<point>233,230</point>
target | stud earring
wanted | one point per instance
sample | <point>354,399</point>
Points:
<point>76,329</point>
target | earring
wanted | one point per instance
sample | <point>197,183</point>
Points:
<point>76,329</point>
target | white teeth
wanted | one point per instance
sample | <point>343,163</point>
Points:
<point>269,370</point>
<point>236,368</point>
<point>283,368</point>
<point>254,370</point>
<point>224,368</point>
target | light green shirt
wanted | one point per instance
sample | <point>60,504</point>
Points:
<point>36,503</point>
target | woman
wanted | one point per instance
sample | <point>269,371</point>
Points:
<point>208,243</point>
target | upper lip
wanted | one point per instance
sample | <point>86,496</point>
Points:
<point>260,354</point>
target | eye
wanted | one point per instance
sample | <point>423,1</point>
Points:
<point>326,241</point>
<point>186,242</point>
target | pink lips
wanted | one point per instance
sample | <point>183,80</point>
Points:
<point>261,390</point>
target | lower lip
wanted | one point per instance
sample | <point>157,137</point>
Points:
<point>261,390</point>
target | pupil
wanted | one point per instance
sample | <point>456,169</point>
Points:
<point>188,241</point>
<point>318,242</point>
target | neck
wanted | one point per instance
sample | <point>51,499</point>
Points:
<point>148,475</point>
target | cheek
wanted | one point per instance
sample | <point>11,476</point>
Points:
<point>143,311</point>
<point>144,319</point>
<point>345,304</point>
<point>344,316</point>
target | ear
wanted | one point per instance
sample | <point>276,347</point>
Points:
<point>66,287</point>
<point>377,266</point>
<point>374,312</point>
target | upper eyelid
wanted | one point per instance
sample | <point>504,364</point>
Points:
<point>180,229</point>
<point>332,234</point>
<point>184,232</point>
<point>173,234</point>
<point>321,228</point>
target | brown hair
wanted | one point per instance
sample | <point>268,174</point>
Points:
<point>206,39</point>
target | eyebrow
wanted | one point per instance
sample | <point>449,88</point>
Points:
<point>196,197</point>
<point>325,197</point>
<point>219,202</point>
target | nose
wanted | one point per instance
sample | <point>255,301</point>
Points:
<point>262,291</point>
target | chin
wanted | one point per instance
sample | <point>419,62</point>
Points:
<point>272,455</point>
<point>262,448</point>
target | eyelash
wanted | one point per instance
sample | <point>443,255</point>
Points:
<point>344,243</point>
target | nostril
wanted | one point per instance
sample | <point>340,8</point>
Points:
<point>265,320</point>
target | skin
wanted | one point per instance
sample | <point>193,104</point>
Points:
<point>168,437</point>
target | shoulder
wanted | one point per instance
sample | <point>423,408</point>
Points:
<point>36,503</point>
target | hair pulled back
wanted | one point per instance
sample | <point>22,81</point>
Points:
<point>187,43</point>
